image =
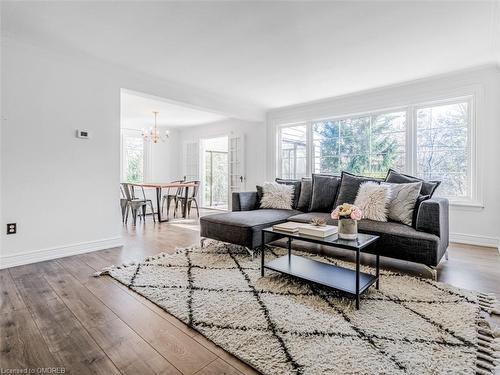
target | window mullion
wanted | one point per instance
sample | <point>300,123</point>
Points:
<point>309,149</point>
<point>411,141</point>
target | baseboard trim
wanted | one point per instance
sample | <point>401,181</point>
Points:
<point>471,239</point>
<point>58,252</point>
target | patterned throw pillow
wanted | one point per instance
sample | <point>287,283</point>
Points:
<point>373,200</point>
<point>402,201</point>
<point>277,196</point>
<point>296,189</point>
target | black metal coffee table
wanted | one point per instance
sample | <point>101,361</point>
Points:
<point>340,278</point>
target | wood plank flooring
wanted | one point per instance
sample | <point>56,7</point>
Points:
<point>56,314</point>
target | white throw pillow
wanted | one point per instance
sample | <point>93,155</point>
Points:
<point>373,199</point>
<point>402,201</point>
<point>277,196</point>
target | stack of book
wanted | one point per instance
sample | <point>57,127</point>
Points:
<point>288,227</point>
<point>306,229</point>
<point>317,231</point>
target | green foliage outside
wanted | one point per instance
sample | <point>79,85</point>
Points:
<point>134,168</point>
<point>134,159</point>
<point>216,179</point>
<point>367,146</point>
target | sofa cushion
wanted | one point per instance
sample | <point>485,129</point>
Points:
<point>250,218</point>
<point>244,201</point>
<point>242,227</point>
<point>428,187</point>
<point>324,191</point>
<point>296,189</point>
<point>260,194</point>
<point>305,194</point>
<point>349,186</point>
<point>420,199</point>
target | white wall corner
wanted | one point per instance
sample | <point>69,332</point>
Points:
<point>58,252</point>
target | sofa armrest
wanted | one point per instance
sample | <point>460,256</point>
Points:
<point>433,217</point>
<point>244,201</point>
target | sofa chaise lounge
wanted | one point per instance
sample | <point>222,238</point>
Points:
<point>425,242</point>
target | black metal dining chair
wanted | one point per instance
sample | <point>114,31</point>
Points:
<point>192,198</point>
<point>136,204</point>
<point>171,195</point>
<point>123,204</point>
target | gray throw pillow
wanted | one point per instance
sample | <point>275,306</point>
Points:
<point>305,194</point>
<point>296,189</point>
<point>428,187</point>
<point>402,201</point>
<point>420,199</point>
<point>324,190</point>
<point>260,194</point>
<point>349,186</point>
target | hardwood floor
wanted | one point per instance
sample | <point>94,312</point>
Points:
<point>56,314</point>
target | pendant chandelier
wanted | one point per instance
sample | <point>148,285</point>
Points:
<point>153,134</point>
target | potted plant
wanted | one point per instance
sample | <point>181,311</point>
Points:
<point>347,216</point>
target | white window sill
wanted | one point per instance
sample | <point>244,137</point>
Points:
<point>466,204</point>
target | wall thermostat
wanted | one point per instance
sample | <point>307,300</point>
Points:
<point>81,133</point>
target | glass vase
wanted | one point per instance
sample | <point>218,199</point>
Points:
<point>348,228</point>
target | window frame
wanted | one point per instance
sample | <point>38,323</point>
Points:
<point>472,199</point>
<point>146,161</point>
<point>279,158</point>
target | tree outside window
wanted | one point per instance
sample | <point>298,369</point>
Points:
<point>133,158</point>
<point>370,144</point>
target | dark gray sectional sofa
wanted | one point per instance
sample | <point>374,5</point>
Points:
<point>425,242</point>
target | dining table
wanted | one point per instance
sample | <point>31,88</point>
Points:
<point>166,185</point>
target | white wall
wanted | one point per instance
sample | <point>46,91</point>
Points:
<point>468,224</point>
<point>254,134</point>
<point>166,158</point>
<point>62,191</point>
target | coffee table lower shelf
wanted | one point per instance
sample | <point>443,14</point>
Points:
<point>330,275</point>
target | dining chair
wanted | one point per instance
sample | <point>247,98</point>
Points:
<point>136,203</point>
<point>192,198</point>
<point>123,204</point>
<point>171,196</point>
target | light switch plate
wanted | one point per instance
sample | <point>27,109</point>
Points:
<point>82,133</point>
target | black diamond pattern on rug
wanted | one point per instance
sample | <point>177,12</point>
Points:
<point>281,325</point>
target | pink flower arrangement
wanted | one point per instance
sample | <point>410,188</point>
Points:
<point>347,211</point>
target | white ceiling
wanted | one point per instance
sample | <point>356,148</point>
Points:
<point>270,54</point>
<point>137,112</point>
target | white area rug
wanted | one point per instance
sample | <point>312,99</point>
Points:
<point>280,325</point>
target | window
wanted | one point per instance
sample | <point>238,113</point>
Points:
<point>293,152</point>
<point>215,179</point>
<point>431,141</point>
<point>443,147</point>
<point>132,156</point>
<point>367,145</point>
